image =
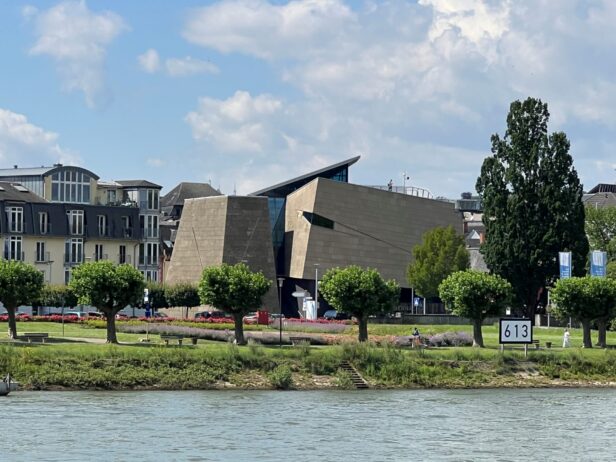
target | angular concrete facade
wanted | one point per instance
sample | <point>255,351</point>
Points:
<point>224,229</point>
<point>330,223</point>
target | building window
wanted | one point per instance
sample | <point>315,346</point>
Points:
<point>43,222</point>
<point>122,254</point>
<point>40,252</point>
<point>148,253</point>
<point>75,222</point>
<point>150,275</point>
<point>13,248</point>
<point>127,228</point>
<point>102,225</point>
<point>70,186</point>
<point>111,196</point>
<point>152,199</point>
<point>67,276</point>
<point>98,252</point>
<point>149,226</point>
<point>73,251</point>
<point>15,217</point>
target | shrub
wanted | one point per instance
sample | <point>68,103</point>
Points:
<point>281,378</point>
<point>450,339</point>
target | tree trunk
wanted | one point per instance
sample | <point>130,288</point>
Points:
<point>111,328</point>
<point>363,328</point>
<point>602,333</point>
<point>239,328</point>
<point>586,331</point>
<point>12,323</point>
<point>477,334</point>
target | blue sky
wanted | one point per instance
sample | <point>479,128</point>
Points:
<point>247,93</point>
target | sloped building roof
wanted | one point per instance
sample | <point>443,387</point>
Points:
<point>187,190</point>
<point>10,192</point>
<point>600,199</point>
<point>138,184</point>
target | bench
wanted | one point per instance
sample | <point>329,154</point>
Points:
<point>29,336</point>
<point>536,343</point>
<point>166,337</point>
<point>298,340</point>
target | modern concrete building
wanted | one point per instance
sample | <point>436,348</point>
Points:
<point>223,229</point>
<point>306,226</point>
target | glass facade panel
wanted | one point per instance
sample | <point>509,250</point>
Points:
<point>70,186</point>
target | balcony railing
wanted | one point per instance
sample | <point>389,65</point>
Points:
<point>149,233</point>
<point>73,258</point>
<point>17,256</point>
<point>43,257</point>
<point>124,259</point>
<point>98,257</point>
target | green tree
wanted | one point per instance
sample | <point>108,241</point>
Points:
<point>156,295</point>
<point>109,288</point>
<point>233,289</point>
<point>601,229</point>
<point>610,271</point>
<point>532,204</point>
<point>441,253</point>
<point>359,292</point>
<point>586,299</point>
<point>20,284</point>
<point>475,295</point>
<point>182,294</point>
<point>57,296</point>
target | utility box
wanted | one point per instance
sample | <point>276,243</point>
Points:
<point>263,317</point>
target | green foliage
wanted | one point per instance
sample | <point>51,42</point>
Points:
<point>57,296</point>
<point>585,298</point>
<point>233,288</point>
<point>281,377</point>
<point>441,253</point>
<point>20,284</point>
<point>532,201</point>
<point>601,229</point>
<point>359,292</point>
<point>107,287</point>
<point>475,295</point>
<point>610,271</point>
<point>182,294</point>
<point>156,294</point>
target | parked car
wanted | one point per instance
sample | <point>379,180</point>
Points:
<point>211,315</point>
<point>250,318</point>
<point>333,314</point>
<point>122,316</point>
<point>78,314</point>
<point>160,315</point>
<point>95,315</point>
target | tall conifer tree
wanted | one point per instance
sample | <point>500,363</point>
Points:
<point>532,203</point>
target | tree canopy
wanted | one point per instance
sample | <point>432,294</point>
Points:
<point>109,288</point>
<point>57,296</point>
<point>156,295</point>
<point>601,229</point>
<point>586,299</point>
<point>532,204</point>
<point>475,295</point>
<point>20,284</point>
<point>441,253</point>
<point>359,292</point>
<point>233,289</point>
<point>182,294</point>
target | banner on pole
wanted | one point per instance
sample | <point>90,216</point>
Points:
<point>564,259</point>
<point>598,263</point>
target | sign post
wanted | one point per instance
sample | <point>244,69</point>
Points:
<point>516,331</point>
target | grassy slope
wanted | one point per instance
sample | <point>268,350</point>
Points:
<point>216,365</point>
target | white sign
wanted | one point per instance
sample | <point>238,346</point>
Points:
<point>514,330</point>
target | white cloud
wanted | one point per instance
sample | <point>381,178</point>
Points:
<point>149,61</point>
<point>178,67</point>
<point>153,162</point>
<point>28,145</point>
<point>76,39</point>
<point>240,123</point>
<point>258,28</point>
<point>416,86</point>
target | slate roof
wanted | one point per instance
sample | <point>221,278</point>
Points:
<point>138,184</point>
<point>603,188</point>
<point>41,171</point>
<point>9,193</point>
<point>600,200</point>
<point>187,191</point>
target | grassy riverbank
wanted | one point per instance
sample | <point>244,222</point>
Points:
<point>79,360</point>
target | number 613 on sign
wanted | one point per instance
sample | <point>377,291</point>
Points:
<point>515,331</point>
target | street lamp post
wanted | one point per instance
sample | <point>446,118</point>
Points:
<point>280,283</point>
<point>316,289</point>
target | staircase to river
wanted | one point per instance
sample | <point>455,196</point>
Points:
<point>356,378</point>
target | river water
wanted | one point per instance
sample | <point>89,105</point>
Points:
<point>449,425</point>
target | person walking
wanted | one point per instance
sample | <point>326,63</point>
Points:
<point>566,339</point>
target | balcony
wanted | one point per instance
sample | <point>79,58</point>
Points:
<point>99,257</point>
<point>43,257</point>
<point>71,259</point>
<point>124,259</point>
<point>149,233</point>
<point>127,232</point>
